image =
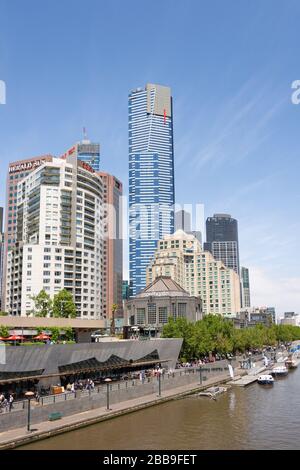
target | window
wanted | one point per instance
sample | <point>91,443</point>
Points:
<point>140,316</point>
<point>162,315</point>
<point>181,310</point>
<point>152,314</point>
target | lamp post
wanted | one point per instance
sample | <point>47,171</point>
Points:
<point>200,373</point>
<point>28,395</point>
<point>107,393</point>
<point>159,382</point>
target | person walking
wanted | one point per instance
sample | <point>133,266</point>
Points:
<point>10,401</point>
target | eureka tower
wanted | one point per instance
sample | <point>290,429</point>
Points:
<point>151,176</point>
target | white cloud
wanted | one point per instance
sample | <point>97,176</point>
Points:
<point>267,289</point>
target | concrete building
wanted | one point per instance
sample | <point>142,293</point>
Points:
<point>87,152</point>
<point>222,240</point>
<point>161,299</point>
<point>59,237</point>
<point>112,246</point>
<point>290,318</point>
<point>183,221</point>
<point>245,288</point>
<point>17,171</point>
<point>151,176</point>
<point>181,257</point>
<point>247,318</point>
<point>1,254</point>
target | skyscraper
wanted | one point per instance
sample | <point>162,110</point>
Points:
<point>222,240</point>
<point>59,237</point>
<point>183,221</point>
<point>1,254</point>
<point>112,246</point>
<point>87,152</point>
<point>245,288</point>
<point>151,176</point>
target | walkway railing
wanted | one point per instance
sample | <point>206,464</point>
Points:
<point>207,371</point>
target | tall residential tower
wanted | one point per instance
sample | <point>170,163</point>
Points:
<point>151,176</point>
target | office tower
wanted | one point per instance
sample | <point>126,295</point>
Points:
<point>245,288</point>
<point>183,221</point>
<point>151,176</point>
<point>126,290</point>
<point>112,246</point>
<point>87,152</point>
<point>222,240</point>
<point>1,254</point>
<point>197,234</point>
<point>181,257</point>
<point>59,238</point>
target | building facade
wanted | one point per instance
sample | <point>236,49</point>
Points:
<point>112,246</point>
<point>59,237</point>
<point>1,254</point>
<point>245,288</point>
<point>183,221</point>
<point>222,240</point>
<point>161,299</point>
<point>181,257</point>
<point>151,176</point>
<point>87,152</point>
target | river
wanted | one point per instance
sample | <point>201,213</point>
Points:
<point>255,417</point>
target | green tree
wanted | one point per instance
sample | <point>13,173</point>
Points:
<point>63,305</point>
<point>3,314</point>
<point>55,333</point>
<point>42,304</point>
<point>4,331</point>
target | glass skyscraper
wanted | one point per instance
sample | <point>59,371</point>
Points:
<point>151,176</point>
<point>89,153</point>
<point>222,240</point>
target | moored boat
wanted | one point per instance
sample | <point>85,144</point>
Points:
<point>279,371</point>
<point>265,379</point>
<point>213,392</point>
<point>291,364</point>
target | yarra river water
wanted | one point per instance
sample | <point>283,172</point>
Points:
<point>255,417</point>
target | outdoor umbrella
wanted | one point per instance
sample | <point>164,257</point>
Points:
<point>42,336</point>
<point>15,338</point>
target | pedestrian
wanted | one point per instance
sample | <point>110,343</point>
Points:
<point>10,401</point>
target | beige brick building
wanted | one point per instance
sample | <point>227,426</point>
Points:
<point>181,257</point>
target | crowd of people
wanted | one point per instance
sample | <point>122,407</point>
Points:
<point>6,402</point>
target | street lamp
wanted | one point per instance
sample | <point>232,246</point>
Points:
<point>107,393</point>
<point>28,395</point>
<point>200,373</point>
<point>159,383</point>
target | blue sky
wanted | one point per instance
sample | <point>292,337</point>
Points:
<point>230,65</point>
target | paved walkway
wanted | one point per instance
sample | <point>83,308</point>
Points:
<point>20,436</point>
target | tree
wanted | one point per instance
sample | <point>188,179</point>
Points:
<point>4,331</point>
<point>42,304</point>
<point>114,308</point>
<point>3,314</point>
<point>63,305</point>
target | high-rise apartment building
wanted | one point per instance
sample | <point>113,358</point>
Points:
<point>151,176</point>
<point>222,240</point>
<point>245,288</point>
<point>59,245</point>
<point>17,171</point>
<point>112,246</point>
<point>87,152</point>
<point>181,257</point>
<point>1,254</point>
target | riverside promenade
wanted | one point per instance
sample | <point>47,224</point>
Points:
<point>20,436</point>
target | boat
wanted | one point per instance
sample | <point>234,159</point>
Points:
<point>291,363</point>
<point>266,379</point>
<point>213,392</point>
<point>279,371</point>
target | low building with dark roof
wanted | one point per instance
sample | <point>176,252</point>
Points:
<point>163,298</point>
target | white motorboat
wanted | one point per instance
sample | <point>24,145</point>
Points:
<point>266,379</point>
<point>279,371</point>
<point>213,392</point>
